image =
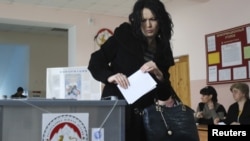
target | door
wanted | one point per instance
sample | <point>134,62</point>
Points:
<point>179,77</point>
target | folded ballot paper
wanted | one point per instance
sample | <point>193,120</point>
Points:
<point>140,84</point>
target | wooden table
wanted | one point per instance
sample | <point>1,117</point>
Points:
<point>202,130</point>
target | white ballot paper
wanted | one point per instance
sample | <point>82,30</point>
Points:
<point>140,84</point>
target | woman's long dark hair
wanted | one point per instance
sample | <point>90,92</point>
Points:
<point>164,21</point>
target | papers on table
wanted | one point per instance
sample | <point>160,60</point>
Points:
<point>140,84</point>
<point>221,123</point>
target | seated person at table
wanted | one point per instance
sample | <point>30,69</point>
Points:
<point>239,111</point>
<point>19,93</point>
<point>209,109</point>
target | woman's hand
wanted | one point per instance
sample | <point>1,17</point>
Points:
<point>216,121</point>
<point>199,114</point>
<point>119,79</point>
<point>151,67</point>
<point>235,123</point>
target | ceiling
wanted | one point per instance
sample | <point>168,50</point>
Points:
<point>120,8</point>
<point>106,7</point>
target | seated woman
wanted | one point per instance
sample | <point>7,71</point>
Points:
<point>209,109</point>
<point>238,112</point>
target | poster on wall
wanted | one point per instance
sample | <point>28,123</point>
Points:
<point>228,55</point>
<point>72,83</point>
<point>65,127</point>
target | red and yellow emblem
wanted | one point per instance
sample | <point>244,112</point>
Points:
<point>102,35</point>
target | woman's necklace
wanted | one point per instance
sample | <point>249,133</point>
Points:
<point>241,105</point>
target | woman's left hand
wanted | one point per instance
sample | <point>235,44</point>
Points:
<point>235,123</point>
<point>151,67</point>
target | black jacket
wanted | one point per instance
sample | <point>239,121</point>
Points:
<point>232,114</point>
<point>16,95</point>
<point>124,53</point>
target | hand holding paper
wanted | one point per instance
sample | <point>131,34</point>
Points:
<point>140,84</point>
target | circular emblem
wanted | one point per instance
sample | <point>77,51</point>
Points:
<point>64,128</point>
<point>102,35</point>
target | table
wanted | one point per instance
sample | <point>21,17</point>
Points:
<point>203,133</point>
<point>22,119</point>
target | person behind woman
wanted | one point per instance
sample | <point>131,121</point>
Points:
<point>209,109</point>
<point>238,112</point>
<point>143,44</point>
<point>19,93</point>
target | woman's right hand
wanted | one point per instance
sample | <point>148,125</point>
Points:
<point>151,67</point>
<point>119,79</point>
<point>216,121</point>
<point>199,115</point>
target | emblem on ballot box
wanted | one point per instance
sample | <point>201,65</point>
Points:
<point>65,127</point>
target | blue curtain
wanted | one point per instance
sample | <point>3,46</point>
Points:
<point>14,68</point>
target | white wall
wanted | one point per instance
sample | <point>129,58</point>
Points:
<point>192,23</point>
<point>51,51</point>
<point>81,39</point>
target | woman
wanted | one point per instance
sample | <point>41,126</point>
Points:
<point>143,43</point>
<point>209,109</point>
<point>238,112</point>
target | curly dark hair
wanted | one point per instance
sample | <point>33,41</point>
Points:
<point>162,16</point>
<point>165,25</point>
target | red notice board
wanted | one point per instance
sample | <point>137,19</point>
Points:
<point>228,55</point>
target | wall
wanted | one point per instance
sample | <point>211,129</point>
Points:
<point>54,51</point>
<point>81,32</point>
<point>45,51</point>
<point>194,19</point>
